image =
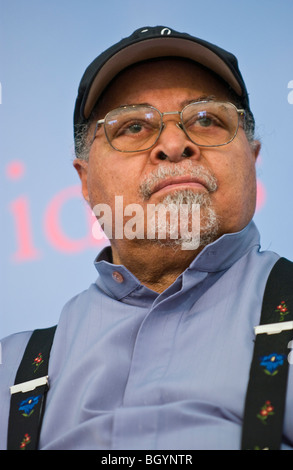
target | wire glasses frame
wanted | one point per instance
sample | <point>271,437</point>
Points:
<point>137,128</point>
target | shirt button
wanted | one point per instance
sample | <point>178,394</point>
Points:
<point>117,277</point>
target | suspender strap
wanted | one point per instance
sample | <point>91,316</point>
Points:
<point>28,394</point>
<point>266,393</point>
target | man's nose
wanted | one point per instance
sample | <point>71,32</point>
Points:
<point>173,144</point>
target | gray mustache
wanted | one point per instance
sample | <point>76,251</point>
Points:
<point>186,169</point>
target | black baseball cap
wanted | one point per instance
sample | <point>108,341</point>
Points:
<point>149,43</point>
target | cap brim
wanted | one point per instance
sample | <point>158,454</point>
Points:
<point>155,48</point>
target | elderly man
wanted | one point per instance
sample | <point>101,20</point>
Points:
<point>157,353</point>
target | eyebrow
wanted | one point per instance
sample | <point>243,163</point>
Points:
<point>182,104</point>
<point>199,98</point>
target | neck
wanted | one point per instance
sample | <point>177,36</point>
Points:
<point>155,265</point>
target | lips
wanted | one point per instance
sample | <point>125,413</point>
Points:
<point>176,182</point>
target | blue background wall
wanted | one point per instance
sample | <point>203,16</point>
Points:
<point>46,250</point>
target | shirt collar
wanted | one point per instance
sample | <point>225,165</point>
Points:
<point>118,282</point>
<point>226,250</point>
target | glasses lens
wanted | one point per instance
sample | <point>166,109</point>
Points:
<point>133,128</point>
<point>211,123</point>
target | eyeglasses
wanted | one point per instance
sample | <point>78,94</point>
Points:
<point>137,128</point>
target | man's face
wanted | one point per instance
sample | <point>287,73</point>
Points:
<point>227,180</point>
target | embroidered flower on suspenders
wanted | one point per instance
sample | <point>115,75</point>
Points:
<point>266,410</point>
<point>282,309</point>
<point>272,362</point>
<point>26,441</point>
<point>27,406</point>
<point>38,361</point>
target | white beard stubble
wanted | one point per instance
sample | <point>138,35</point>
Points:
<point>209,223</point>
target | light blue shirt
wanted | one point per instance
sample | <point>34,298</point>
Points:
<point>133,369</point>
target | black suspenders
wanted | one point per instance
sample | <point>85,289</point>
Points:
<point>266,392</point>
<point>28,395</point>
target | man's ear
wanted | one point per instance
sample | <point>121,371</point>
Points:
<point>81,167</point>
<point>256,146</point>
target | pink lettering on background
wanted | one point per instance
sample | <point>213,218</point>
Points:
<point>26,251</point>
<point>15,170</point>
<point>56,235</point>
<point>53,227</point>
<point>23,221</point>
<point>261,195</point>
